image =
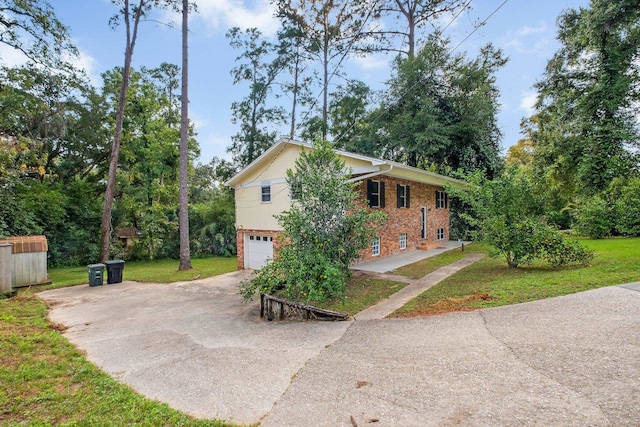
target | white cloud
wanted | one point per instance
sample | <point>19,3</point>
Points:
<point>223,14</point>
<point>372,62</point>
<point>528,102</point>
<point>89,64</point>
<point>447,20</point>
<point>213,144</point>
<point>527,30</point>
<point>528,40</point>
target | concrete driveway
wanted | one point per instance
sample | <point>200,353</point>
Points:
<point>572,360</point>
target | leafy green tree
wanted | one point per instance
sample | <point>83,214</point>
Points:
<point>594,218</point>
<point>146,195</point>
<point>441,111</point>
<point>213,224</point>
<point>324,231</point>
<point>507,214</point>
<point>33,28</point>
<point>44,110</point>
<point>348,111</point>
<point>257,68</point>
<point>586,132</point>
<point>131,14</point>
<point>627,208</point>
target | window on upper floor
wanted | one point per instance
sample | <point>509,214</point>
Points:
<point>265,193</point>
<point>375,193</point>
<point>442,200</point>
<point>404,196</point>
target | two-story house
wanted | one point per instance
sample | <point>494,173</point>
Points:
<point>414,200</point>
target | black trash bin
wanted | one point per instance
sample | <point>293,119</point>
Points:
<point>114,271</point>
<point>96,274</point>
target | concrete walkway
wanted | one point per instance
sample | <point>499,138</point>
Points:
<point>570,361</point>
<point>409,292</point>
<point>392,262</point>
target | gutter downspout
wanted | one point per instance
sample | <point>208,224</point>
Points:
<point>372,174</point>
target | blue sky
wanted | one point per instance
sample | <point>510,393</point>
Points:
<point>524,30</point>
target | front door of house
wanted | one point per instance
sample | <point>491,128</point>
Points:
<point>423,222</point>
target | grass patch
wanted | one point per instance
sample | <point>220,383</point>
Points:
<point>46,381</point>
<point>159,271</point>
<point>361,293</point>
<point>420,269</point>
<point>489,283</point>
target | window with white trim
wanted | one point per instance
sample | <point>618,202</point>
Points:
<point>375,246</point>
<point>441,199</point>
<point>403,241</point>
<point>440,234</point>
<point>265,193</point>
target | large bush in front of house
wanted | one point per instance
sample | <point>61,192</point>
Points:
<point>324,231</point>
<point>508,215</point>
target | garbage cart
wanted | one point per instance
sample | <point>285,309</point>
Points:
<point>96,274</point>
<point>114,271</point>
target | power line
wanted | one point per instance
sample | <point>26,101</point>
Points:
<point>480,25</point>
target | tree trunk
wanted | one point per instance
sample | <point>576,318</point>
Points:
<point>325,88</point>
<point>185,251</point>
<point>294,102</point>
<point>105,227</point>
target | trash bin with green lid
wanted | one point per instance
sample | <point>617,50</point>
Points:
<point>114,271</point>
<point>96,274</point>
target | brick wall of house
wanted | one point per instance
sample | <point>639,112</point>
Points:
<point>408,220</point>
<point>400,220</point>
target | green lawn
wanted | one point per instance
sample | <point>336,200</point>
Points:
<point>160,271</point>
<point>44,380</point>
<point>422,268</point>
<point>362,292</point>
<point>489,283</point>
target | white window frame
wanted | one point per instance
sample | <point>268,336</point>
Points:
<point>375,246</point>
<point>440,234</point>
<point>403,241</point>
<point>265,197</point>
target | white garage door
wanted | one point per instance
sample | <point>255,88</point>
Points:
<point>258,251</point>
